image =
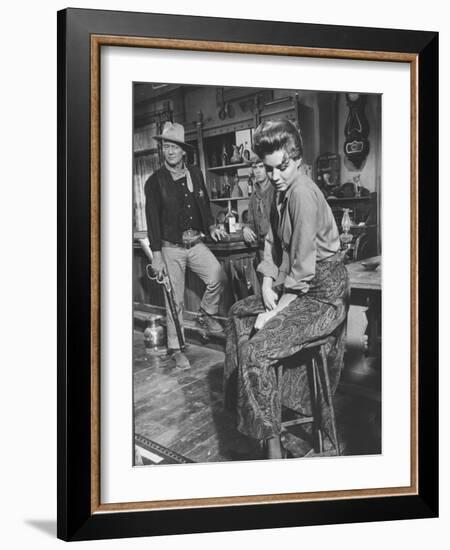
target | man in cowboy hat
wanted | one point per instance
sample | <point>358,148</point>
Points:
<point>178,217</point>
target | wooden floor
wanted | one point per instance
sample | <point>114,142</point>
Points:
<point>183,411</point>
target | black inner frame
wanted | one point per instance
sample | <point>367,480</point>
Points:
<point>75,521</point>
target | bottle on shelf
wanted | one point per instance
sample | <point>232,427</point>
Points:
<point>224,155</point>
<point>246,152</point>
<point>346,237</point>
<point>346,221</point>
<point>357,184</point>
<point>230,220</point>
<point>226,187</point>
<point>236,190</point>
<point>250,185</point>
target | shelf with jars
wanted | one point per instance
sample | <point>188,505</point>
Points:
<point>231,193</point>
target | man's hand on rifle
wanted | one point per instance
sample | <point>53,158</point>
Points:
<point>158,264</point>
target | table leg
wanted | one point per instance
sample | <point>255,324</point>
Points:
<point>373,330</point>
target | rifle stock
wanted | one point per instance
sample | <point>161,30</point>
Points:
<point>168,289</point>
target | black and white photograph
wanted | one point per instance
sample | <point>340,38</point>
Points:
<point>224,289</point>
<point>257,273</point>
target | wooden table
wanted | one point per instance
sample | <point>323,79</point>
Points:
<point>362,278</point>
<point>365,288</point>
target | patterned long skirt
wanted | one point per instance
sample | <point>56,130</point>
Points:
<point>250,382</point>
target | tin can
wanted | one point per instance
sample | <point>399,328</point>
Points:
<point>155,335</point>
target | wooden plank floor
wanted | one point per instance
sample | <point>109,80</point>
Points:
<point>183,411</point>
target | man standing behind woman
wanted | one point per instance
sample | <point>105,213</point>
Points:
<point>260,203</point>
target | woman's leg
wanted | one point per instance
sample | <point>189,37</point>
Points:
<point>240,327</point>
<point>258,402</point>
<point>259,399</point>
<point>241,319</point>
<point>305,319</point>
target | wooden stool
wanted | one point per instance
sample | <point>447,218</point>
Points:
<point>319,383</point>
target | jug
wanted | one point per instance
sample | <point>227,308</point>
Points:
<point>154,335</point>
<point>236,157</point>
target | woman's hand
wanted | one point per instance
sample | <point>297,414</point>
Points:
<point>262,319</point>
<point>249,235</point>
<point>269,296</point>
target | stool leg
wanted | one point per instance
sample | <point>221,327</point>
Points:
<point>279,376</point>
<point>323,355</point>
<point>315,405</point>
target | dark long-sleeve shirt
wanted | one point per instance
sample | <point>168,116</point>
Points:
<point>165,206</point>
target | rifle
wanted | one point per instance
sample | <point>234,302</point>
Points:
<point>165,281</point>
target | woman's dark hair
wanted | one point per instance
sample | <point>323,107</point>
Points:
<point>273,135</point>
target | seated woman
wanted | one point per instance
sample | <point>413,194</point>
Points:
<point>304,292</point>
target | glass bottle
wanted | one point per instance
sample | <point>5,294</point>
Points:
<point>236,190</point>
<point>224,155</point>
<point>226,187</point>
<point>230,220</point>
<point>246,152</point>
<point>346,222</point>
<point>250,186</point>
<point>357,184</point>
<point>214,193</point>
<point>346,237</point>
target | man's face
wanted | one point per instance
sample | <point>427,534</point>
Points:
<point>259,172</point>
<point>173,153</point>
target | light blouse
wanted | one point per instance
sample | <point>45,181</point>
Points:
<point>308,234</point>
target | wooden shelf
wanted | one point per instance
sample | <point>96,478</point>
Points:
<point>230,199</point>
<point>228,167</point>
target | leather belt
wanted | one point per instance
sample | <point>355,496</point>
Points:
<point>187,242</point>
<point>190,234</point>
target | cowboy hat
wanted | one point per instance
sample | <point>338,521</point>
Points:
<point>174,133</point>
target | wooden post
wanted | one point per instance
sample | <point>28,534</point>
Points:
<point>201,151</point>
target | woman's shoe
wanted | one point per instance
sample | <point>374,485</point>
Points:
<point>286,453</point>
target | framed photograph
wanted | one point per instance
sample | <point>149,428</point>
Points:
<point>247,251</point>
